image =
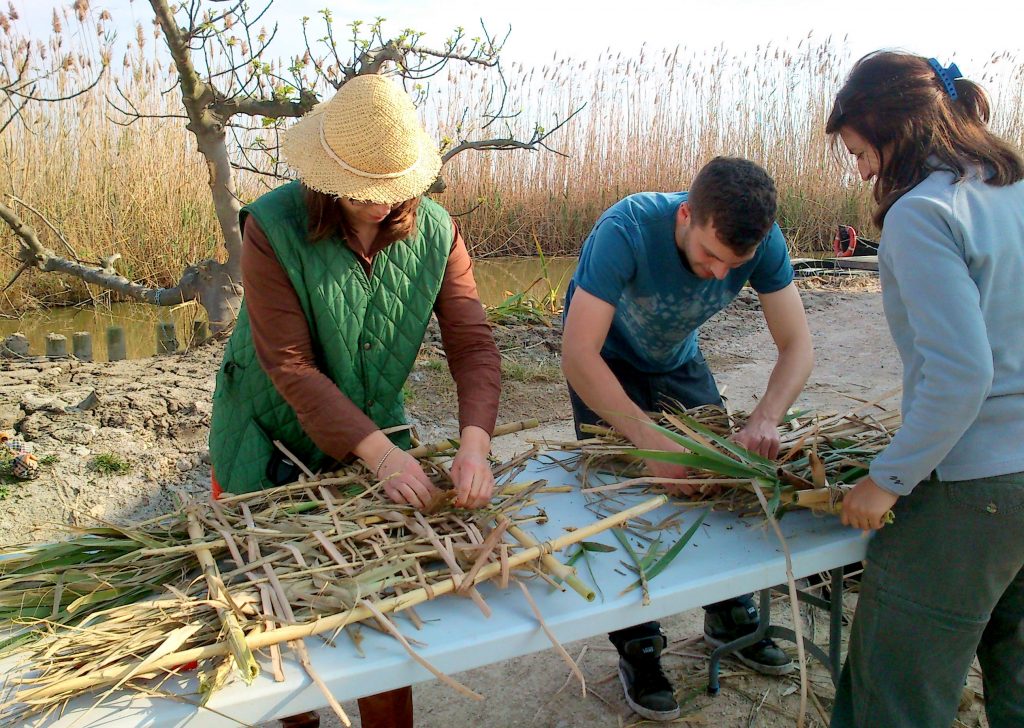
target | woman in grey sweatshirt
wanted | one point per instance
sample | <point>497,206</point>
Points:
<point>946,579</point>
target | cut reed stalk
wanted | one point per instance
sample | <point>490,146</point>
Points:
<point>553,565</point>
<point>246,664</point>
<point>106,676</point>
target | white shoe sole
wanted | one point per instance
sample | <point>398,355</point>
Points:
<point>752,664</point>
<point>658,715</point>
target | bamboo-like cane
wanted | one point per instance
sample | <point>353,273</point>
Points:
<point>336,621</point>
<point>507,429</point>
<point>247,666</point>
<point>557,568</point>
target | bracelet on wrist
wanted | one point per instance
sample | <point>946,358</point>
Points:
<point>376,471</point>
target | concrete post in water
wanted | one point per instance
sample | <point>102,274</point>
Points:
<point>199,332</point>
<point>116,347</point>
<point>15,346</point>
<point>56,346</point>
<point>81,345</point>
<point>166,338</point>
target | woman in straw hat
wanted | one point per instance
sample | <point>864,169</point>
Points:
<point>946,579</point>
<point>342,271</point>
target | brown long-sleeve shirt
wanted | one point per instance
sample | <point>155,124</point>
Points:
<point>285,351</point>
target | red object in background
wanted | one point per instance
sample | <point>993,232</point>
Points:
<point>215,486</point>
<point>844,244</point>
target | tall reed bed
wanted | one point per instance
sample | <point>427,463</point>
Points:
<point>652,120</point>
<point>649,121</point>
<point>139,189</point>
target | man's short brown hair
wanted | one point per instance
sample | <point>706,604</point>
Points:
<point>738,198</point>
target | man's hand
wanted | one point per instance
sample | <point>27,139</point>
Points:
<point>866,505</point>
<point>405,482</point>
<point>471,471</point>
<point>761,436</point>
<point>662,469</point>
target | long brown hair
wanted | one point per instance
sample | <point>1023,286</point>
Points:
<point>899,105</point>
<point>327,218</point>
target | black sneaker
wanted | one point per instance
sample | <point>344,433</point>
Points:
<point>726,625</point>
<point>648,692</point>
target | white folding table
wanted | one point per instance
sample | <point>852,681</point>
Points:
<point>728,556</point>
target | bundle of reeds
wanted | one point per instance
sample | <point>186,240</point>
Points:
<point>822,455</point>
<point>206,587</point>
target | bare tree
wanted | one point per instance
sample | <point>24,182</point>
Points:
<point>219,51</point>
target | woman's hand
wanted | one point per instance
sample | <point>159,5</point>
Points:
<point>471,471</point>
<point>405,482</point>
<point>866,505</point>
<point>403,478</point>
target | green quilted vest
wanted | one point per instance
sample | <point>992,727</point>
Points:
<point>366,332</point>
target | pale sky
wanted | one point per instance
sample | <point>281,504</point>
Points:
<point>968,33</point>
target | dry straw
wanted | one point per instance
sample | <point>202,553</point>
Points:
<point>210,586</point>
<point>822,455</point>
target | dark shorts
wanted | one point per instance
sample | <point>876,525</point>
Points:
<point>691,385</point>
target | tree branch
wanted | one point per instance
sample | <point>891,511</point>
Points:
<point>537,141</point>
<point>48,224</point>
<point>32,97</point>
<point>273,108</point>
<point>34,254</point>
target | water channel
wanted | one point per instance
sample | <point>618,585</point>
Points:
<point>496,279</point>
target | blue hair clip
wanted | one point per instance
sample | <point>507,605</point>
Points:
<point>946,75</point>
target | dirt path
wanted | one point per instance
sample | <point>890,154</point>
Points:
<point>153,415</point>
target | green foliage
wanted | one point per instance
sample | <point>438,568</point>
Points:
<point>654,560</point>
<point>7,478</point>
<point>527,372</point>
<point>108,463</point>
<point>526,306</point>
<point>518,308</point>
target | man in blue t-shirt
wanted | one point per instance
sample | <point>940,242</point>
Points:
<point>655,267</point>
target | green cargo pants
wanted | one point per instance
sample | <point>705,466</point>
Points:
<point>945,581</point>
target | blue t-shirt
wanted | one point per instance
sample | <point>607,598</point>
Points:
<point>631,261</point>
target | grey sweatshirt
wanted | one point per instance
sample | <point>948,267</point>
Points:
<point>951,261</point>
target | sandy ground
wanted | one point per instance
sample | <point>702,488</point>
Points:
<point>154,414</point>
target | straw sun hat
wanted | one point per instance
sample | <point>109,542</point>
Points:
<point>365,143</point>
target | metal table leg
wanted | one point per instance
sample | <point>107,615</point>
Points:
<point>834,606</point>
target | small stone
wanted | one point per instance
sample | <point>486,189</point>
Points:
<point>34,402</point>
<point>90,401</point>
<point>184,465</point>
<point>10,413</point>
